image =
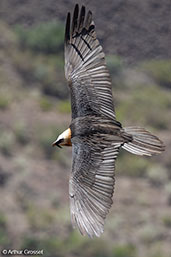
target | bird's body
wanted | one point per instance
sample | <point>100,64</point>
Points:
<point>94,133</point>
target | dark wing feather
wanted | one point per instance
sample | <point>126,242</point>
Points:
<point>85,68</point>
<point>92,182</point>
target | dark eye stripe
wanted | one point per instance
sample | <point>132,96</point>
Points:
<point>60,141</point>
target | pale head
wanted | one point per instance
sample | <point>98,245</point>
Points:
<point>63,139</point>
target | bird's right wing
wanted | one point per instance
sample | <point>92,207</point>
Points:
<point>91,184</point>
<point>85,68</point>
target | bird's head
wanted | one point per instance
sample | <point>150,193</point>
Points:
<point>63,139</point>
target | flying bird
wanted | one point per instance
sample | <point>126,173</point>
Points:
<point>94,133</point>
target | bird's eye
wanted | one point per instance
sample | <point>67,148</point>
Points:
<point>60,141</point>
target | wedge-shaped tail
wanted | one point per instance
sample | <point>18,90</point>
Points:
<point>143,143</point>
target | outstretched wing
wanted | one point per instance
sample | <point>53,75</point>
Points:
<point>85,68</point>
<point>92,182</point>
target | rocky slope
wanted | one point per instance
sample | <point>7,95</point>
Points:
<point>135,30</point>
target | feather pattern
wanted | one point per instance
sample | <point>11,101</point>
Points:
<point>85,68</point>
<point>92,182</point>
<point>143,142</point>
<point>96,135</point>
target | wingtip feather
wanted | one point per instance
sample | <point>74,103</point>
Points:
<point>75,19</point>
<point>67,28</point>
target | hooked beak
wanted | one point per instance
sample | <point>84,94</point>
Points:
<point>57,143</point>
<point>63,139</point>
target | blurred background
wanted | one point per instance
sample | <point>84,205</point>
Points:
<point>35,108</point>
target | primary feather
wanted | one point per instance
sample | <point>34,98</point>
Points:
<point>85,68</point>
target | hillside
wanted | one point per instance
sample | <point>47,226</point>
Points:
<point>35,108</point>
<point>135,30</point>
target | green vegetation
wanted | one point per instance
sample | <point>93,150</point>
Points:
<point>124,251</point>
<point>114,64</point>
<point>167,221</point>
<point>4,102</point>
<point>40,218</point>
<point>64,106</point>
<point>30,243</point>
<point>157,175</point>
<point>21,133</point>
<point>47,37</point>
<point>42,72</point>
<point>9,40</point>
<point>160,70</point>
<point>142,105</point>
<point>46,104</point>
<point>132,165</point>
<point>7,142</point>
<point>73,244</point>
<point>2,220</point>
<point>4,239</point>
<point>149,233</point>
<point>51,247</point>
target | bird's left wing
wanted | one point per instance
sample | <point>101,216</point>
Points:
<point>91,184</point>
<point>85,68</point>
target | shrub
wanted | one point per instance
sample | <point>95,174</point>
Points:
<point>48,73</point>
<point>30,243</point>
<point>45,104</point>
<point>4,102</point>
<point>45,37</point>
<point>157,175</point>
<point>75,245</point>
<point>167,221</point>
<point>4,240</point>
<point>131,165</point>
<point>160,70</point>
<point>64,106</point>
<point>149,233</point>
<point>52,247</point>
<point>142,104</point>
<point>114,64</point>
<point>124,251</point>
<point>21,133</point>
<point>6,142</point>
<point>40,219</point>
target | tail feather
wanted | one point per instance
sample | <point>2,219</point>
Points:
<point>143,143</point>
